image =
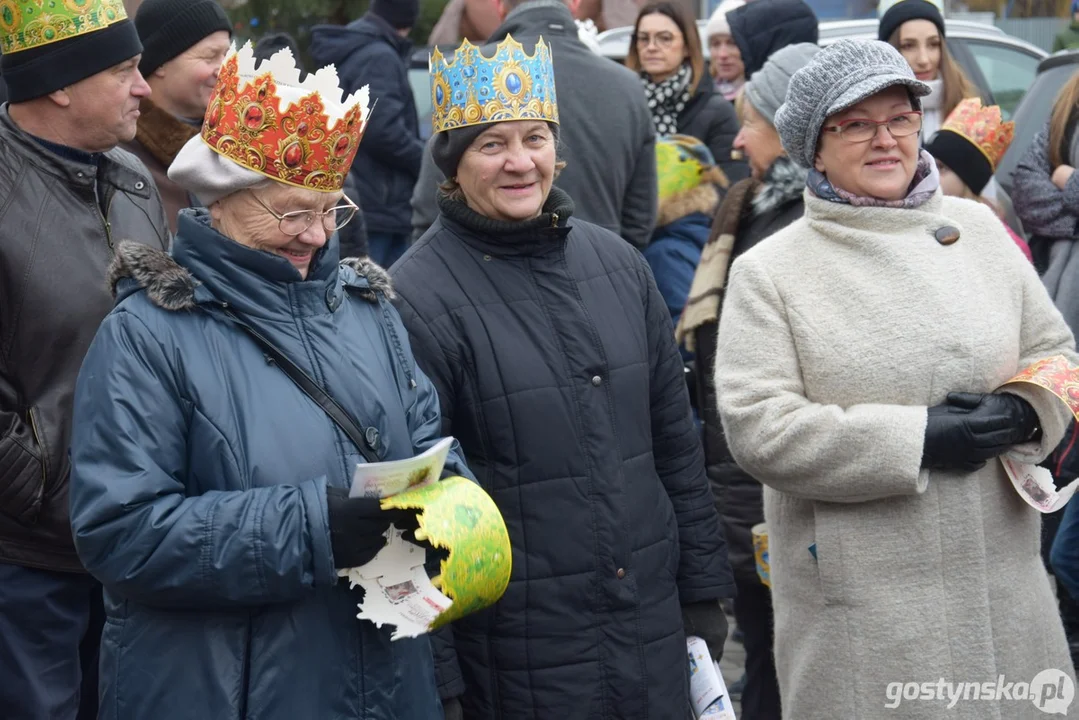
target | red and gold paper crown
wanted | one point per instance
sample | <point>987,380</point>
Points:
<point>300,133</point>
<point>983,127</point>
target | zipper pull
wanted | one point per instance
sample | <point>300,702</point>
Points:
<point>554,219</point>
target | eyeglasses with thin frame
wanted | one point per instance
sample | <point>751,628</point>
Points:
<point>296,222</point>
<point>663,40</point>
<point>860,130</point>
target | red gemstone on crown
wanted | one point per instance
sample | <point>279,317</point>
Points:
<point>253,117</point>
<point>293,155</point>
<point>340,148</point>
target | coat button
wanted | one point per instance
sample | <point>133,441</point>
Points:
<point>372,437</point>
<point>621,573</point>
<point>332,299</point>
<point>947,235</point>
<point>597,380</point>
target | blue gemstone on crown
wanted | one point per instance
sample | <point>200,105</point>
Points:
<point>509,85</point>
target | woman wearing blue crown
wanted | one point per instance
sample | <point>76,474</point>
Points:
<point>555,363</point>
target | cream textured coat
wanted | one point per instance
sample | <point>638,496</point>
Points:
<point>837,333</point>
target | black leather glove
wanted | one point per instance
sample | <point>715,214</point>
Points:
<point>970,429</point>
<point>1024,419</point>
<point>358,527</point>
<point>451,709</point>
<point>707,621</point>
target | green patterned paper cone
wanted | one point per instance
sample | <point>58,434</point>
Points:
<point>459,517</point>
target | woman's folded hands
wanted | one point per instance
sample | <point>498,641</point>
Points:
<point>969,429</point>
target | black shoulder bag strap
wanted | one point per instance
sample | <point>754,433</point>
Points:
<point>312,389</point>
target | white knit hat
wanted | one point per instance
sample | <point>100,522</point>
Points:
<point>717,24</point>
<point>198,169</point>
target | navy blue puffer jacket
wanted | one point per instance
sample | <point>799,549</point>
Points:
<point>198,491</point>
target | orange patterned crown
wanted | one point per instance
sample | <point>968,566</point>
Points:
<point>983,127</point>
<point>300,133</point>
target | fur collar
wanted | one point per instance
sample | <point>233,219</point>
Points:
<point>701,199</point>
<point>170,286</point>
<point>784,182</point>
<point>160,133</point>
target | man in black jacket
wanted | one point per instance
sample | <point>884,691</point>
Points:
<point>68,195</point>
<point>608,140</point>
<point>374,51</point>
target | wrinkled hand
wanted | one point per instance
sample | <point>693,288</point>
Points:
<point>707,621</point>
<point>358,527</point>
<point>1062,174</point>
<point>972,428</point>
<point>451,709</point>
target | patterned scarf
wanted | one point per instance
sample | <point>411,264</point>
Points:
<point>926,182</point>
<point>667,99</point>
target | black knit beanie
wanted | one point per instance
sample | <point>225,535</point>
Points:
<point>448,146</point>
<point>962,157</point>
<point>400,14</point>
<point>36,72</point>
<point>906,10</point>
<point>169,27</point>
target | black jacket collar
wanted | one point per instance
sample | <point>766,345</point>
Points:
<point>499,237</point>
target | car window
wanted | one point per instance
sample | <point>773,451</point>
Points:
<point>420,80</point>
<point>1008,71</point>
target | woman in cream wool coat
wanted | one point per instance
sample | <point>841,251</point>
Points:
<point>900,553</point>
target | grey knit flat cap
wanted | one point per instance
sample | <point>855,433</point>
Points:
<point>838,77</point>
<point>767,89</point>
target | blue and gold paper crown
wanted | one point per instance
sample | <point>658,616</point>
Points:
<point>470,89</point>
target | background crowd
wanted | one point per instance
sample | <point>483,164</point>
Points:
<point>690,301</point>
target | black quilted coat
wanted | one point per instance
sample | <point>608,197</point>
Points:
<point>555,363</point>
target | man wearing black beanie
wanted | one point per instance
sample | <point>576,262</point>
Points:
<point>184,43</point>
<point>67,195</point>
<point>375,51</point>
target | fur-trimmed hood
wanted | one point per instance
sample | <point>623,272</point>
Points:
<point>171,286</point>
<point>784,182</point>
<point>701,199</point>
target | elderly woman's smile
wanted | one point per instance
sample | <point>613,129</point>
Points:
<point>507,171</point>
<point>288,221</point>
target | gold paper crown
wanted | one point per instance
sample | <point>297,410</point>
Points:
<point>470,89</point>
<point>983,127</point>
<point>265,119</point>
<point>27,24</point>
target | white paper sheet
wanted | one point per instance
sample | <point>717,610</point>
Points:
<point>385,479</point>
<point>1035,485</point>
<point>707,689</point>
<point>396,588</point>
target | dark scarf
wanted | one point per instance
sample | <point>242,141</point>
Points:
<point>503,237</point>
<point>667,99</point>
<point>162,134</point>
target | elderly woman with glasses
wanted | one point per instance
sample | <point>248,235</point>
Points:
<point>861,354</point>
<point>209,489</point>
